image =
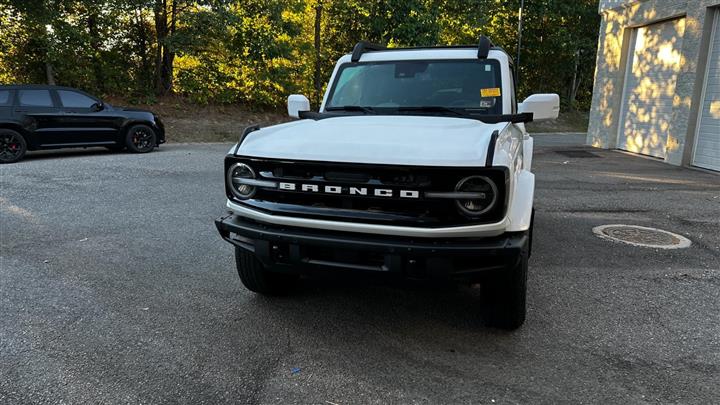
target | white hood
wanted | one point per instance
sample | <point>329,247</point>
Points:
<point>395,140</point>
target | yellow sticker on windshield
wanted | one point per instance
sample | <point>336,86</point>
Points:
<point>493,92</point>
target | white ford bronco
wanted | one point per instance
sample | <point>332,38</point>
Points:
<point>416,165</point>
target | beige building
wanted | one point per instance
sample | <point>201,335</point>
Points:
<point>657,82</point>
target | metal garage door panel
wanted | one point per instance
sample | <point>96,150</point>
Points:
<point>649,92</point>
<point>707,140</point>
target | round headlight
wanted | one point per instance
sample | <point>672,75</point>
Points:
<point>235,176</point>
<point>483,193</point>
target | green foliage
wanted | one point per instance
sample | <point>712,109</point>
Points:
<point>242,54</point>
<point>257,52</point>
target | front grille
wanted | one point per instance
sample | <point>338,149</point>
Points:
<point>395,210</point>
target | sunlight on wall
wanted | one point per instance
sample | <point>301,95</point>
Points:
<point>650,89</point>
<point>648,15</point>
<point>668,56</point>
<point>645,85</point>
<point>715,109</point>
<point>612,52</point>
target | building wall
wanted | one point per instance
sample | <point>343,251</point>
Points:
<point>619,17</point>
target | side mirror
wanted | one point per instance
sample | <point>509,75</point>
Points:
<point>297,103</point>
<point>99,106</point>
<point>543,106</point>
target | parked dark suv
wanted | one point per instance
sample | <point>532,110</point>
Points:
<point>51,117</point>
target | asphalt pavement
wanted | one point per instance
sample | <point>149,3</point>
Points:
<point>116,288</point>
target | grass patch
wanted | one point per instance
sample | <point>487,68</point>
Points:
<point>569,121</point>
<point>189,122</point>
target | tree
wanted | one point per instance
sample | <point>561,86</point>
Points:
<point>166,13</point>
<point>259,51</point>
<point>36,17</point>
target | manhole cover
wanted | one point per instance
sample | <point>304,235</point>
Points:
<point>642,236</point>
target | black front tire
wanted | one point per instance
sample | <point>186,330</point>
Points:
<point>140,139</point>
<point>256,278</point>
<point>12,146</point>
<point>506,295</point>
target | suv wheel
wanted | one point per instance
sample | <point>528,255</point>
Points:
<point>12,146</point>
<point>257,279</point>
<point>506,295</point>
<point>140,139</point>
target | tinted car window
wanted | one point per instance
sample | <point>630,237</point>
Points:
<point>35,98</point>
<point>4,97</point>
<point>460,84</point>
<point>74,99</point>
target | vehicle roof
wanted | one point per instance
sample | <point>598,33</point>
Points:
<point>35,87</point>
<point>436,48</point>
<point>434,53</point>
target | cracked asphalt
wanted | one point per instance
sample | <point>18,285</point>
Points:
<point>116,288</point>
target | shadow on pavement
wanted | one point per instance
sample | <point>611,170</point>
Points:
<point>74,152</point>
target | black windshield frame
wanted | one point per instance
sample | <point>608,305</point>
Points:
<point>497,70</point>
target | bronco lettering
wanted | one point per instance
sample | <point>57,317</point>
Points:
<point>362,191</point>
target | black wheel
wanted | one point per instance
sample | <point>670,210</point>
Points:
<point>257,279</point>
<point>506,295</point>
<point>12,146</point>
<point>140,139</point>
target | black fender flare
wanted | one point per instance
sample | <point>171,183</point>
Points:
<point>19,127</point>
<point>131,123</point>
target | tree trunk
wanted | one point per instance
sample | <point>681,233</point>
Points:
<point>161,34</point>
<point>49,73</point>
<point>42,32</point>
<point>572,95</point>
<point>317,78</point>
<point>169,55</point>
<point>141,41</point>
<point>95,45</point>
<point>164,57</point>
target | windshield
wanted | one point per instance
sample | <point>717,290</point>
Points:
<point>470,85</point>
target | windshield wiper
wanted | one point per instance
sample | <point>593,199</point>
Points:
<point>432,108</point>
<point>366,110</point>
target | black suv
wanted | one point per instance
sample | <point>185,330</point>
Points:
<point>51,117</point>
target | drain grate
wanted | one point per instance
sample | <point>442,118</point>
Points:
<point>578,154</point>
<point>642,236</point>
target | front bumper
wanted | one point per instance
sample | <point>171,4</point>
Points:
<point>159,128</point>
<point>298,250</point>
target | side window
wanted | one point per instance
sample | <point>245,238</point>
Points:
<point>35,98</point>
<point>5,99</point>
<point>513,85</point>
<point>72,99</point>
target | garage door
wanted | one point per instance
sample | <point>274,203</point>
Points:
<point>651,75</point>
<point>707,140</point>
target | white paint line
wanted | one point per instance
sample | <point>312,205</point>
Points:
<point>15,210</point>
